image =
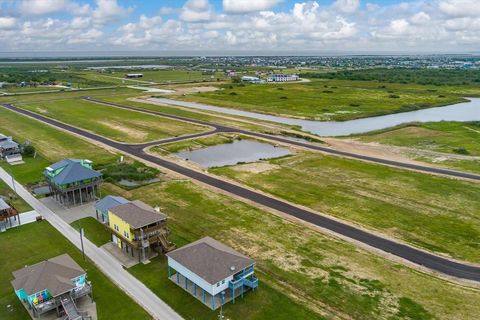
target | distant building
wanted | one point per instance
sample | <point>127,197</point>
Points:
<point>211,271</point>
<point>134,75</point>
<point>52,284</point>
<point>8,147</point>
<point>138,229</point>
<point>102,206</point>
<point>73,181</point>
<point>283,77</point>
<point>251,79</point>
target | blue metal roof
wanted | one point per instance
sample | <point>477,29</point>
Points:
<point>72,171</point>
<point>109,202</point>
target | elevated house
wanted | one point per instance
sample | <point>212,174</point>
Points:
<point>139,230</point>
<point>7,212</point>
<point>211,271</point>
<point>280,77</point>
<point>8,147</point>
<point>73,181</point>
<point>102,206</point>
<point>54,284</point>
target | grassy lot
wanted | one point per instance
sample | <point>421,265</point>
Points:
<point>17,202</point>
<point>298,268</point>
<point>435,213</point>
<point>333,99</point>
<point>52,145</point>
<point>118,124</point>
<point>198,143</point>
<point>30,244</point>
<point>47,96</point>
<point>169,75</point>
<point>94,230</point>
<point>449,137</point>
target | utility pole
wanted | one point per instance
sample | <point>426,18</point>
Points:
<point>82,233</point>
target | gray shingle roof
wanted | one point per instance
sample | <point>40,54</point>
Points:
<point>3,205</point>
<point>137,214</point>
<point>109,202</point>
<point>73,171</point>
<point>210,260</point>
<point>54,275</point>
<point>8,144</point>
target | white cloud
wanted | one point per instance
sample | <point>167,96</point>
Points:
<point>460,8</point>
<point>42,7</point>
<point>108,11</point>
<point>247,6</point>
<point>196,11</point>
<point>347,6</point>
<point>7,23</point>
<point>420,18</point>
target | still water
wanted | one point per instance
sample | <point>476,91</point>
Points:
<point>233,153</point>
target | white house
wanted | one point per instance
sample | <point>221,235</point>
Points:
<point>211,271</point>
<point>283,77</point>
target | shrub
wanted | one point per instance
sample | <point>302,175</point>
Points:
<point>461,150</point>
<point>394,96</point>
<point>283,97</point>
<point>29,151</point>
<point>233,93</point>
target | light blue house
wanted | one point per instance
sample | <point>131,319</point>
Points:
<point>103,206</point>
<point>211,271</point>
<point>52,284</point>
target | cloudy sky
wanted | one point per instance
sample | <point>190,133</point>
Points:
<point>219,26</point>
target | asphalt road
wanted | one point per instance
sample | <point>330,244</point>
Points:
<point>110,266</point>
<point>419,257</point>
<point>306,145</point>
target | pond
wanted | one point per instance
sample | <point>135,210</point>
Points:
<point>233,153</point>
<point>466,111</point>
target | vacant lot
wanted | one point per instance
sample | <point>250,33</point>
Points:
<point>118,124</point>
<point>435,213</point>
<point>330,99</point>
<point>51,143</point>
<point>30,244</point>
<point>94,230</point>
<point>329,276</point>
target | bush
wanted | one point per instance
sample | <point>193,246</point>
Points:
<point>461,150</point>
<point>283,97</point>
<point>129,171</point>
<point>394,96</point>
<point>233,93</point>
<point>29,151</point>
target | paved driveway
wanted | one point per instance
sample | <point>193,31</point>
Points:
<point>71,214</point>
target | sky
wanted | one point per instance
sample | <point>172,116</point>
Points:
<point>260,26</point>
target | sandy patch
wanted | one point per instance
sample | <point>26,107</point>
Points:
<point>41,110</point>
<point>132,133</point>
<point>256,167</point>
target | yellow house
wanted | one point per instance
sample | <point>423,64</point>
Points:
<point>138,229</point>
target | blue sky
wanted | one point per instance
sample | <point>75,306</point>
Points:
<point>218,26</point>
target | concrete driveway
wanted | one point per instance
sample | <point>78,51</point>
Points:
<point>70,214</point>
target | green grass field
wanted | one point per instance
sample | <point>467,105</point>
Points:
<point>169,75</point>
<point>435,213</point>
<point>198,143</point>
<point>114,123</point>
<point>35,242</point>
<point>94,230</point>
<point>298,268</point>
<point>332,99</point>
<point>449,137</point>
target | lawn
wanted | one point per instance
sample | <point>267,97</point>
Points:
<point>52,145</point>
<point>30,171</point>
<point>298,268</point>
<point>170,75</point>
<point>332,99</point>
<point>17,202</point>
<point>30,244</point>
<point>450,137</point>
<point>94,230</point>
<point>197,143</point>
<point>435,213</point>
<point>114,123</point>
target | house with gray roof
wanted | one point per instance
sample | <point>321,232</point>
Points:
<point>73,181</point>
<point>211,271</point>
<point>8,147</point>
<point>105,204</point>
<point>139,230</point>
<point>55,283</point>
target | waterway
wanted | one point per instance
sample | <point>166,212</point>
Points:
<point>466,111</point>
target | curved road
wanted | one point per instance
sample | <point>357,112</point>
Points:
<point>306,145</point>
<point>419,257</point>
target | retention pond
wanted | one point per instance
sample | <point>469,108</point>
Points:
<point>232,153</point>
